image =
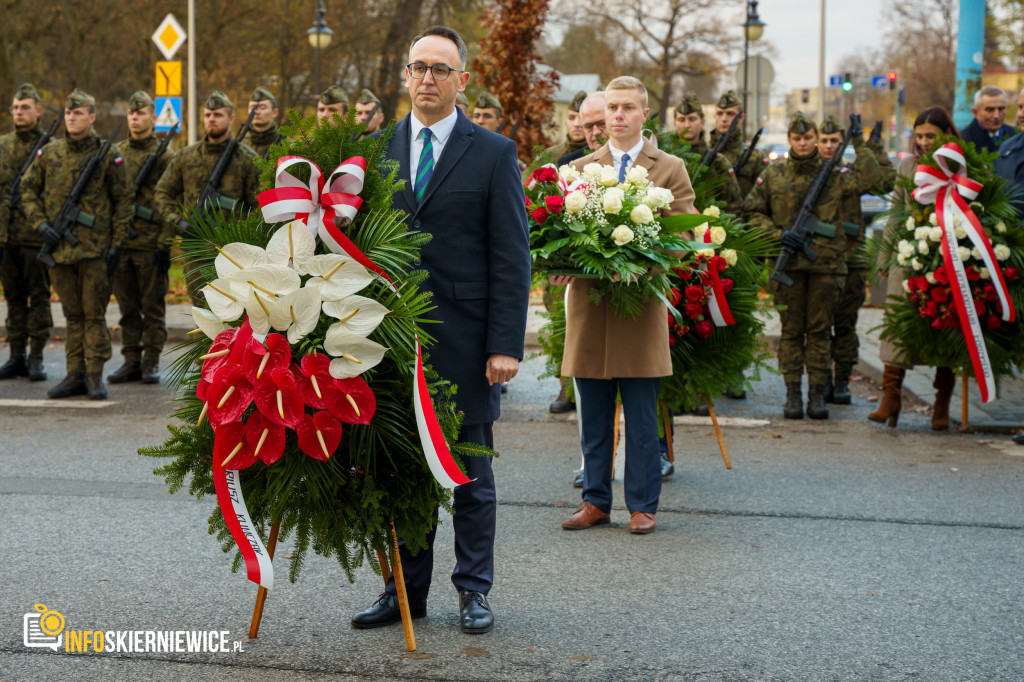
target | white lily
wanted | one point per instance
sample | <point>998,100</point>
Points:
<point>352,353</point>
<point>357,314</point>
<point>292,245</point>
<point>238,256</point>
<point>223,299</point>
<point>297,313</point>
<point>337,276</point>
<point>207,322</point>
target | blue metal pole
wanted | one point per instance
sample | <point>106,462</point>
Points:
<point>969,51</point>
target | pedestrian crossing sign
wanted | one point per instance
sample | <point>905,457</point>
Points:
<point>168,113</point>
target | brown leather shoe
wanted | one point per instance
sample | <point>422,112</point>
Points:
<point>641,523</point>
<point>586,516</point>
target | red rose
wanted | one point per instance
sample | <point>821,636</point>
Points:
<point>990,293</point>
<point>671,320</point>
<point>539,214</point>
<point>683,273</point>
<point>1010,273</point>
<point>920,282</point>
<point>938,324</point>
<point>555,204</point>
<point>930,309</point>
<point>671,341</point>
<point>719,263</point>
<point>675,296</point>
<point>993,322</point>
<point>940,294</point>
<point>972,273</point>
<point>940,275</point>
<point>694,294</point>
<point>693,310</point>
<point>726,285</point>
<point>545,174</point>
<point>704,329</point>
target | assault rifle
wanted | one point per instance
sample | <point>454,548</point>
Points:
<point>211,199</point>
<point>748,151</point>
<point>16,185</point>
<point>373,112</point>
<point>712,152</point>
<point>805,224</point>
<point>144,172</point>
<point>876,133</point>
<point>69,212</point>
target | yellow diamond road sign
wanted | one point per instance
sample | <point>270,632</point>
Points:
<point>169,36</point>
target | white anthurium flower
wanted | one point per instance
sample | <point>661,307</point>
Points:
<point>353,354</point>
<point>257,307</point>
<point>238,256</point>
<point>207,322</point>
<point>292,245</point>
<point>224,300</point>
<point>271,281</point>
<point>337,276</point>
<point>356,314</point>
<point>297,313</point>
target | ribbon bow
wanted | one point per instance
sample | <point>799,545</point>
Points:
<point>947,190</point>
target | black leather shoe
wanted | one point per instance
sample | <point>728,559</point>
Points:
<point>667,467</point>
<point>578,481</point>
<point>475,617</point>
<point>385,611</point>
<point>561,405</point>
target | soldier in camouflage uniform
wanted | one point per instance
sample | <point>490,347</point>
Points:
<point>332,101</point>
<point>727,108</point>
<point>462,102</point>
<point>810,303</point>
<point>845,344</point>
<point>487,112</point>
<point>189,170</point>
<point>369,104</point>
<point>82,272</point>
<point>688,122</point>
<point>140,281</point>
<point>26,281</point>
<point>264,132</point>
<point>574,137</point>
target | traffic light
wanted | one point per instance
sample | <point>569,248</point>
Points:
<point>892,80</point>
<point>847,83</point>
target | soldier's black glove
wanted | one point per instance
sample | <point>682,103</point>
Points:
<point>162,260</point>
<point>113,258</point>
<point>792,240</point>
<point>856,129</point>
<point>876,133</point>
<point>50,236</point>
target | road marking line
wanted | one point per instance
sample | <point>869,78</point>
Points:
<point>14,402</point>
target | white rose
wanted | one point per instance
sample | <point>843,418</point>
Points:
<point>622,235</point>
<point>935,234</point>
<point>575,201</point>
<point>916,264</point>
<point>718,234</point>
<point>707,253</point>
<point>712,211</point>
<point>910,224</point>
<point>985,274</point>
<point>1002,251</point>
<point>933,219</point>
<point>636,174</point>
<point>568,173</point>
<point>957,221</point>
<point>959,232</point>
<point>922,247</point>
<point>700,230</point>
<point>593,169</point>
<point>1000,227</point>
<point>658,197</point>
<point>906,286</point>
<point>976,253</point>
<point>609,178</point>
<point>931,278</point>
<point>612,203</point>
<point>641,214</point>
<point>729,255</point>
<point>965,253</point>
<point>922,233</point>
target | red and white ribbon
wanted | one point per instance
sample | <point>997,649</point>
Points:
<point>718,307</point>
<point>258,565</point>
<point>947,190</point>
<point>563,187</point>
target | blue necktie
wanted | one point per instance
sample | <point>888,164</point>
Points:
<point>425,167</point>
<point>622,168</point>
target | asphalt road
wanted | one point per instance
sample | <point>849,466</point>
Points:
<point>833,550</point>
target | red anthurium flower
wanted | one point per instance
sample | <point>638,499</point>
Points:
<point>351,400</point>
<point>202,389</point>
<point>242,342</point>
<point>277,397</point>
<point>264,437</point>
<point>554,204</point>
<point>704,329</point>
<point>319,434</point>
<point>262,359</point>
<point>313,377</point>
<point>219,351</point>
<point>230,448</point>
<point>229,395</point>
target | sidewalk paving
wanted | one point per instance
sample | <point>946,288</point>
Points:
<point>1004,414</point>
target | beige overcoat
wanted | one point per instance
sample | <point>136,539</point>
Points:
<point>599,344</point>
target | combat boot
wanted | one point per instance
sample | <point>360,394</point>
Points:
<point>94,383</point>
<point>129,371</point>
<point>794,408</point>
<point>829,390</point>
<point>816,402</point>
<point>72,384</point>
<point>945,382</point>
<point>150,373</point>
<point>36,370</point>
<point>15,366</point>
<point>841,391</point>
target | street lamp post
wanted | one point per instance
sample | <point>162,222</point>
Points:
<point>753,27</point>
<point>319,37</point>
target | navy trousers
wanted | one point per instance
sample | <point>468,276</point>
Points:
<point>474,521</point>
<point>595,405</point>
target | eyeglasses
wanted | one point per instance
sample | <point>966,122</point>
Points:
<point>439,72</point>
<point>596,124</point>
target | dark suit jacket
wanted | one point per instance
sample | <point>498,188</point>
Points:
<point>1010,165</point>
<point>973,132</point>
<point>478,259</point>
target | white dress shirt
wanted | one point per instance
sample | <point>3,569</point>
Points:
<point>617,155</point>
<point>439,134</point>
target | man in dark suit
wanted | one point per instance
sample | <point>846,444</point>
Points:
<point>988,130</point>
<point>462,186</point>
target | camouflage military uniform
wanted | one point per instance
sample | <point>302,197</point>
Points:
<point>262,140</point>
<point>25,279</point>
<point>773,204</point>
<point>729,190</point>
<point>141,280</point>
<point>568,145</point>
<point>752,169</point>
<point>80,275</point>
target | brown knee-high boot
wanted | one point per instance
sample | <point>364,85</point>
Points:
<point>945,382</point>
<point>892,396</point>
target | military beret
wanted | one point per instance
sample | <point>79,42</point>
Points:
<point>831,125</point>
<point>367,97</point>
<point>487,101</point>
<point>689,104</point>
<point>261,93</point>
<point>334,95</point>
<point>217,100</point>
<point>728,100</point>
<point>577,101</point>
<point>27,91</point>
<point>139,100</point>
<point>460,98</point>
<point>801,123</point>
<point>79,98</point>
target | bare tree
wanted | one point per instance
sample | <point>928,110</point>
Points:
<point>920,43</point>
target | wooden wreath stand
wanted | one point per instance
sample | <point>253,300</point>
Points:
<point>261,594</point>
<point>667,419</point>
